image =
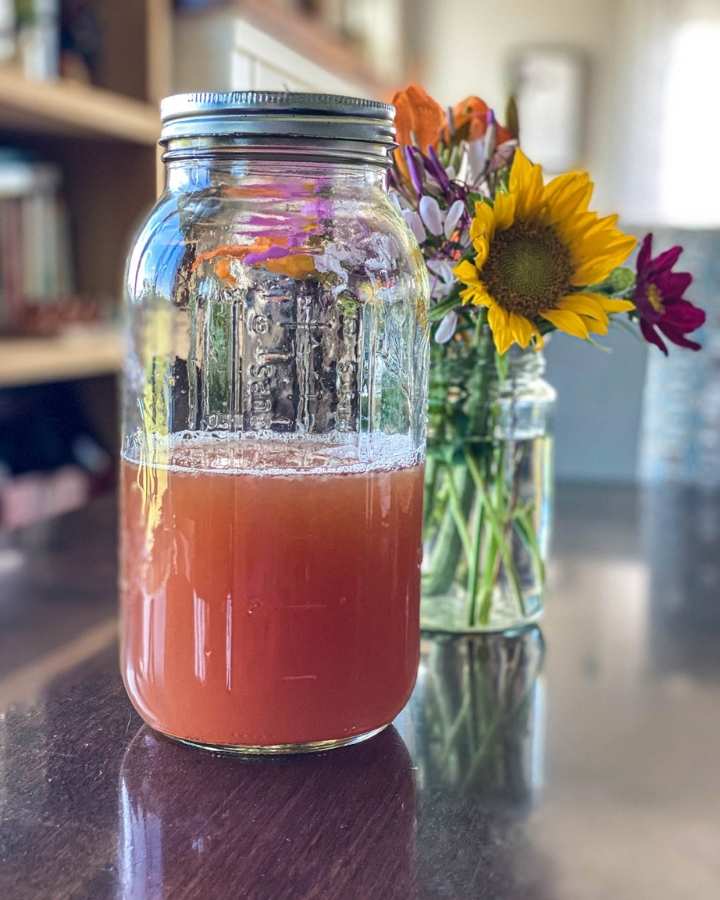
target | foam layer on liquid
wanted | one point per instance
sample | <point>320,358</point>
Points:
<point>274,454</point>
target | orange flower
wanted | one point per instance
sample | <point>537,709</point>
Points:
<point>299,265</point>
<point>418,119</point>
<point>295,264</point>
<point>470,118</point>
<point>234,251</point>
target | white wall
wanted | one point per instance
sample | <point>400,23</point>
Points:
<point>652,138</point>
<point>465,45</point>
<point>221,51</point>
<point>651,129</point>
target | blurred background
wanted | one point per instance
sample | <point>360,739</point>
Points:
<point>624,87</point>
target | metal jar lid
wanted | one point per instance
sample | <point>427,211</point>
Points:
<point>258,120</point>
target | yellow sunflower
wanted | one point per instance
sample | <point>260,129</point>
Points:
<point>537,249</point>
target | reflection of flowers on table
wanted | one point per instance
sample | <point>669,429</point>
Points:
<point>479,706</point>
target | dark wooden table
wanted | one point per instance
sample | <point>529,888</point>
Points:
<point>582,764</point>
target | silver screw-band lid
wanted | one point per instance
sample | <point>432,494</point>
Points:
<point>277,116</point>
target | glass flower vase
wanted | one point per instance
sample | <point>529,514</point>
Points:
<point>488,489</point>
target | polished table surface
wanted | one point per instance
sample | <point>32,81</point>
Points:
<point>580,761</point>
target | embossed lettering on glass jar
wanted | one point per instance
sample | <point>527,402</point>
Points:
<point>274,429</point>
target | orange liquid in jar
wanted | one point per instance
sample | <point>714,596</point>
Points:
<point>265,608</point>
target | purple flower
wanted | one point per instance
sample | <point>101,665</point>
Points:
<point>659,299</point>
<point>412,169</point>
<point>435,168</point>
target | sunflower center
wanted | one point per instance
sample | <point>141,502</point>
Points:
<point>528,268</point>
<point>655,298</point>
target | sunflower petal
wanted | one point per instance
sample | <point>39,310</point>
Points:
<point>602,235</point>
<point>596,245</point>
<point>506,343</point>
<point>597,270</point>
<point>521,329</point>
<point>526,184</point>
<point>482,251</point>
<point>498,318</point>
<point>477,295</point>
<point>567,321</point>
<point>587,305</point>
<point>499,322</point>
<point>567,195</point>
<point>466,272</point>
<point>597,266</point>
<point>574,232</point>
<point>504,210</point>
<point>483,222</point>
<point>595,327</point>
<point>611,305</point>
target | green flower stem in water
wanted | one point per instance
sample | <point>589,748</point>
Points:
<point>475,560</point>
<point>498,519</point>
<point>448,547</point>
<point>482,542</point>
<point>526,530</point>
<point>458,512</point>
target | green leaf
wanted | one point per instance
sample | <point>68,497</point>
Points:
<point>473,197</point>
<point>622,280</point>
<point>619,283</point>
<point>441,309</point>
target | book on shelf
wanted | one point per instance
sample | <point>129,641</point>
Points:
<point>37,37</point>
<point>35,253</point>
<point>7,30</point>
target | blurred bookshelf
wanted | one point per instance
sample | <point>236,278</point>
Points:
<point>332,36</point>
<point>65,109</point>
<point>362,46</point>
<point>79,124</point>
<point>100,136</point>
<point>74,354</point>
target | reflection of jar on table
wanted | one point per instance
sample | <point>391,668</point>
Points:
<point>342,825</point>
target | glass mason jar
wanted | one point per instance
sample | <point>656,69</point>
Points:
<point>488,489</point>
<point>274,429</point>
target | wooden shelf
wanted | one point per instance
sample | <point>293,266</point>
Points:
<point>314,40</point>
<point>80,354</point>
<point>64,108</point>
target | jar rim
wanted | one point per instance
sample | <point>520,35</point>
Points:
<point>342,124</point>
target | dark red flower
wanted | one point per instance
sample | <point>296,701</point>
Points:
<point>659,299</point>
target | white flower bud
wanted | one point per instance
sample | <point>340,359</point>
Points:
<point>476,159</point>
<point>415,224</point>
<point>454,214</point>
<point>431,215</point>
<point>446,328</point>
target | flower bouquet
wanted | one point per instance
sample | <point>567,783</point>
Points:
<point>511,259</point>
